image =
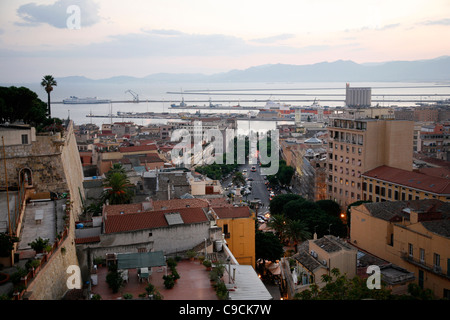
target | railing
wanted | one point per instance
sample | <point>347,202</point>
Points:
<point>26,280</point>
<point>437,270</point>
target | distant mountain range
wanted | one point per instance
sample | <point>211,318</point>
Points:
<point>437,69</point>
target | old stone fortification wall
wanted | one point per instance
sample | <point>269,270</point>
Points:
<point>66,174</point>
<point>41,158</point>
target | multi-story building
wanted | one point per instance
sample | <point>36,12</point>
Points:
<point>313,179</point>
<point>392,184</point>
<point>359,145</point>
<point>315,258</point>
<point>431,140</point>
<point>238,226</point>
<point>411,234</point>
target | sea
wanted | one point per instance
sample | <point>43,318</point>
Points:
<point>158,97</point>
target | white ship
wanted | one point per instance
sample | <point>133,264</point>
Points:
<point>76,100</point>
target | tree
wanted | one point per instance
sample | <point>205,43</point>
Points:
<point>48,82</point>
<point>297,231</point>
<point>329,206</point>
<point>114,279</point>
<point>22,104</point>
<point>267,246</point>
<point>238,179</point>
<point>285,174</point>
<point>339,287</point>
<point>7,244</point>
<point>118,189</point>
<point>278,202</point>
<point>278,224</point>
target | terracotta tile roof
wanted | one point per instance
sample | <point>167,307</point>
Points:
<point>116,209</point>
<point>150,219</point>
<point>149,147</point>
<point>180,203</point>
<point>150,157</point>
<point>219,202</point>
<point>87,240</point>
<point>232,212</point>
<point>410,179</point>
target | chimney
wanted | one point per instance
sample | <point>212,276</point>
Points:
<point>315,236</point>
<point>413,217</point>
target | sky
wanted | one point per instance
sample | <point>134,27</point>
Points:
<point>104,38</point>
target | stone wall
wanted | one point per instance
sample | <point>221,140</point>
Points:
<point>55,164</point>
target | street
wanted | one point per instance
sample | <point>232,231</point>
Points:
<point>259,188</point>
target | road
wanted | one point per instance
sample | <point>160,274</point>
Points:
<point>259,189</point>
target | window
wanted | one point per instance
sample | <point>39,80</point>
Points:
<point>370,187</point>
<point>389,193</point>
<point>436,260</point>
<point>396,195</point>
<point>422,255</point>
<point>410,249</point>
<point>24,139</point>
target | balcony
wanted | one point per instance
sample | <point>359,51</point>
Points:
<point>437,270</point>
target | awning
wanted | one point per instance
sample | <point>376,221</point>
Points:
<point>140,260</point>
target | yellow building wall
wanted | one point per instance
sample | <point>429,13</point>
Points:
<point>373,235</point>
<point>410,194</point>
<point>242,238</point>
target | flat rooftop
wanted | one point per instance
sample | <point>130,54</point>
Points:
<point>41,219</point>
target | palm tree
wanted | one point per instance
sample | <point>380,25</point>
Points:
<point>48,82</point>
<point>117,189</point>
<point>297,231</point>
<point>116,167</point>
<point>278,224</point>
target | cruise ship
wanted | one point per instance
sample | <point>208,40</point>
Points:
<point>76,100</point>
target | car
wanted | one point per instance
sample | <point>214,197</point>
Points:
<point>245,170</point>
<point>249,179</point>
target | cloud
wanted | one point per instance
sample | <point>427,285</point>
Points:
<point>441,22</point>
<point>273,39</point>
<point>56,14</point>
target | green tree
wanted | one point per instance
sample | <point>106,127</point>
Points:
<point>48,82</point>
<point>297,231</point>
<point>118,189</point>
<point>7,244</point>
<point>329,206</point>
<point>285,174</point>
<point>278,224</point>
<point>21,104</point>
<point>114,279</point>
<point>238,179</point>
<point>278,202</point>
<point>267,246</point>
<point>339,287</point>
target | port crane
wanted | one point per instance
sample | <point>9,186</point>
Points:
<point>134,94</point>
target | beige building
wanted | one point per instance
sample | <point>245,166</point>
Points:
<point>411,234</point>
<point>357,145</point>
<point>315,258</point>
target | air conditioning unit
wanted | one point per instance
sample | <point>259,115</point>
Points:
<point>324,262</point>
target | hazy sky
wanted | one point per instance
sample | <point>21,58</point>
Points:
<point>142,37</point>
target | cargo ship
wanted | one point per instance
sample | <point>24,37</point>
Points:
<point>76,100</point>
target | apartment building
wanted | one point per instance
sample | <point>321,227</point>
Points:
<point>411,234</point>
<point>392,184</point>
<point>357,145</point>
